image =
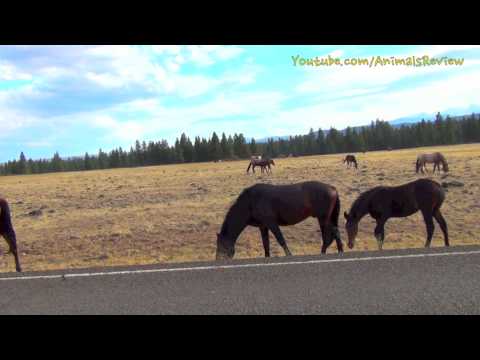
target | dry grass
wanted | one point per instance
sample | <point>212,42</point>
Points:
<point>172,213</point>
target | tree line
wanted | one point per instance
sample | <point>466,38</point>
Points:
<point>379,135</point>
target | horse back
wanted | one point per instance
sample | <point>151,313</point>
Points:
<point>290,204</point>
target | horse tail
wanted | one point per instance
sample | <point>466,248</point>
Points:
<point>336,212</point>
<point>5,216</point>
<point>417,166</point>
<point>249,165</point>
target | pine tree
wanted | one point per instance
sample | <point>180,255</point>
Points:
<point>87,162</point>
<point>253,147</point>
<point>22,164</point>
<point>320,146</point>
<point>215,150</point>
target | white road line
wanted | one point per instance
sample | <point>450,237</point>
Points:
<point>238,266</point>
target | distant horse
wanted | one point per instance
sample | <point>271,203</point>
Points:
<point>263,163</point>
<point>384,202</point>
<point>7,231</point>
<point>350,159</point>
<point>270,206</point>
<point>435,158</point>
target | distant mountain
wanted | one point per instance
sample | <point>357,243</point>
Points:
<point>275,138</point>
<point>453,112</point>
<point>406,120</point>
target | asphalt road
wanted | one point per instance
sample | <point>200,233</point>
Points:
<point>417,281</point>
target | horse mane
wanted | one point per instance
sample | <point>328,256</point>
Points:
<point>363,197</point>
<point>441,157</point>
<point>238,206</point>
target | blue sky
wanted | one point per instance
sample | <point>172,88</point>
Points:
<point>74,99</point>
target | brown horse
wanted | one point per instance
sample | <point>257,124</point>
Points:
<point>7,231</point>
<point>350,159</point>
<point>270,206</point>
<point>384,202</point>
<point>434,158</point>
<point>263,163</point>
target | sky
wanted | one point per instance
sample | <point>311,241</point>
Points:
<point>77,99</point>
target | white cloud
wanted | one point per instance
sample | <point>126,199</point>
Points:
<point>205,55</point>
<point>9,71</point>
<point>169,49</point>
<point>337,53</point>
<point>105,80</point>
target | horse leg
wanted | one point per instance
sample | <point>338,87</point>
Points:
<point>325,241</point>
<point>12,244</point>
<point>427,217</point>
<point>380,233</point>
<point>328,236</point>
<point>434,167</point>
<point>265,240</point>
<point>339,244</point>
<point>275,229</point>
<point>443,225</point>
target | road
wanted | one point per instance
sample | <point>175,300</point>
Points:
<point>415,281</point>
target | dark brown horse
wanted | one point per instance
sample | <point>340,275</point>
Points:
<point>434,158</point>
<point>350,159</point>
<point>7,231</point>
<point>263,163</point>
<point>270,206</point>
<point>384,202</point>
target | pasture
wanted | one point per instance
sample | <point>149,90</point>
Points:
<point>172,213</point>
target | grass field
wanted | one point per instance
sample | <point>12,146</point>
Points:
<point>172,213</point>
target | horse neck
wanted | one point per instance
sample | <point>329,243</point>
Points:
<point>235,221</point>
<point>441,158</point>
<point>360,206</point>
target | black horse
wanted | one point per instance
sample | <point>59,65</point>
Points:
<point>270,206</point>
<point>384,202</point>
<point>7,231</point>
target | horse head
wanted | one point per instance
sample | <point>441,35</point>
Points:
<point>445,165</point>
<point>352,228</point>
<point>225,248</point>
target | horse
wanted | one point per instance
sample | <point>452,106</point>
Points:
<point>268,207</point>
<point>263,163</point>
<point>350,159</point>
<point>7,231</point>
<point>384,202</point>
<point>267,167</point>
<point>435,158</point>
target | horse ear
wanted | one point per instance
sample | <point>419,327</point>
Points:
<point>345,214</point>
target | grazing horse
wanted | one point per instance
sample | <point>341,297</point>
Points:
<point>350,159</point>
<point>263,163</point>
<point>270,206</point>
<point>7,231</point>
<point>384,202</point>
<point>435,158</point>
<point>267,167</point>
